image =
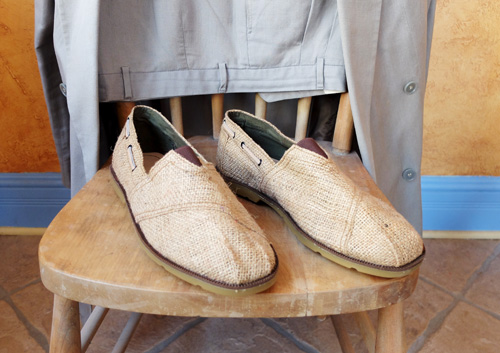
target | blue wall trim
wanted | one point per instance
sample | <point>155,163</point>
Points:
<point>31,199</point>
<point>461,203</point>
<point>449,202</point>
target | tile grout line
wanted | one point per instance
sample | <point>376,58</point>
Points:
<point>477,306</point>
<point>436,322</point>
<point>38,336</point>
<point>484,267</point>
<point>166,342</point>
<point>302,345</point>
<point>35,281</point>
<point>433,326</point>
<point>461,297</point>
<point>3,293</point>
<point>437,286</point>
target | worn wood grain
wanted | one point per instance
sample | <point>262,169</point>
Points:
<point>303,109</point>
<point>122,111</point>
<point>176,113</point>
<point>367,331</point>
<point>390,330</point>
<point>342,335</point>
<point>217,113</point>
<point>260,107</point>
<point>344,126</point>
<point>65,332</point>
<point>90,253</point>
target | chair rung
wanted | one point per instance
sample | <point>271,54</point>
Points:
<point>127,333</point>
<point>92,325</point>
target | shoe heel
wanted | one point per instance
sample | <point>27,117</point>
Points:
<point>244,192</point>
<point>118,191</point>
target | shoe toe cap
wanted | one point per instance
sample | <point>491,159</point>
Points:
<point>382,236</point>
<point>214,245</point>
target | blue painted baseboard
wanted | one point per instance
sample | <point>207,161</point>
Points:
<point>449,202</point>
<point>31,199</point>
<point>461,203</point>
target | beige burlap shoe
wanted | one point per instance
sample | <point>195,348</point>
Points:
<point>187,218</point>
<point>321,205</point>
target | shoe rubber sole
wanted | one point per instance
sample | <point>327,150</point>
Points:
<point>189,276</point>
<point>343,260</point>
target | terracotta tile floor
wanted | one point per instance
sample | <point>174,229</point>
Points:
<point>455,308</point>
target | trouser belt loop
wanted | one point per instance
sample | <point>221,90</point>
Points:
<point>222,77</point>
<point>320,73</point>
<point>127,86</point>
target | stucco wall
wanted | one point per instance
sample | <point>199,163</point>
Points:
<point>462,109</point>
<point>462,105</point>
<point>26,143</point>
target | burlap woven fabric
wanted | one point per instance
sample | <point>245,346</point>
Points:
<point>323,201</point>
<point>189,215</point>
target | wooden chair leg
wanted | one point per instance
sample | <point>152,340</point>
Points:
<point>367,330</point>
<point>65,333</point>
<point>342,335</point>
<point>390,330</point>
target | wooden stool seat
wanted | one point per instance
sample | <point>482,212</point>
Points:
<point>91,254</point>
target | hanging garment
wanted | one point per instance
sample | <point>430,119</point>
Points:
<point>97,51</point>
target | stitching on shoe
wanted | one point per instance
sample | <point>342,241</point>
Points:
<point>351,217</point>
<point>143,239</point>
<point>221,156</point>
<point>162,211</point>
<point>131,158</point>
<point>228,129</point>
<point>243,135</point>
<point>415,262</point>
<point>277,169</point>
<point>253,157</point>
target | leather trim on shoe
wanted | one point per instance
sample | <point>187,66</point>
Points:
<point>311,145</point>
<point>188,153</point>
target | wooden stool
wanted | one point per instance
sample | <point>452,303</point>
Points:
<point>91,254</point>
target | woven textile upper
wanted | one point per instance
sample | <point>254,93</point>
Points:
<point>186,211</point>
<point>322,201</point>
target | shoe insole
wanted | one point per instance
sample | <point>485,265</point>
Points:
<point>150,160</point>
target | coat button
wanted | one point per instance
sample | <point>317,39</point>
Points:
<point>409,174</point>
<point>62,87</point>
<point>410,87</point>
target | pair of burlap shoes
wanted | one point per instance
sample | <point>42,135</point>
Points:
<point>190,222</point>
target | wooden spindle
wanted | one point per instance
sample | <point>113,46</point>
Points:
<point>126,335</point>
<point>176,114</point>
<point>303,108</point>
<point>217,113</point>
<point>260,107</point>
<point>122,111</point>
<point>344,127</point>
<point>91,326</point>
